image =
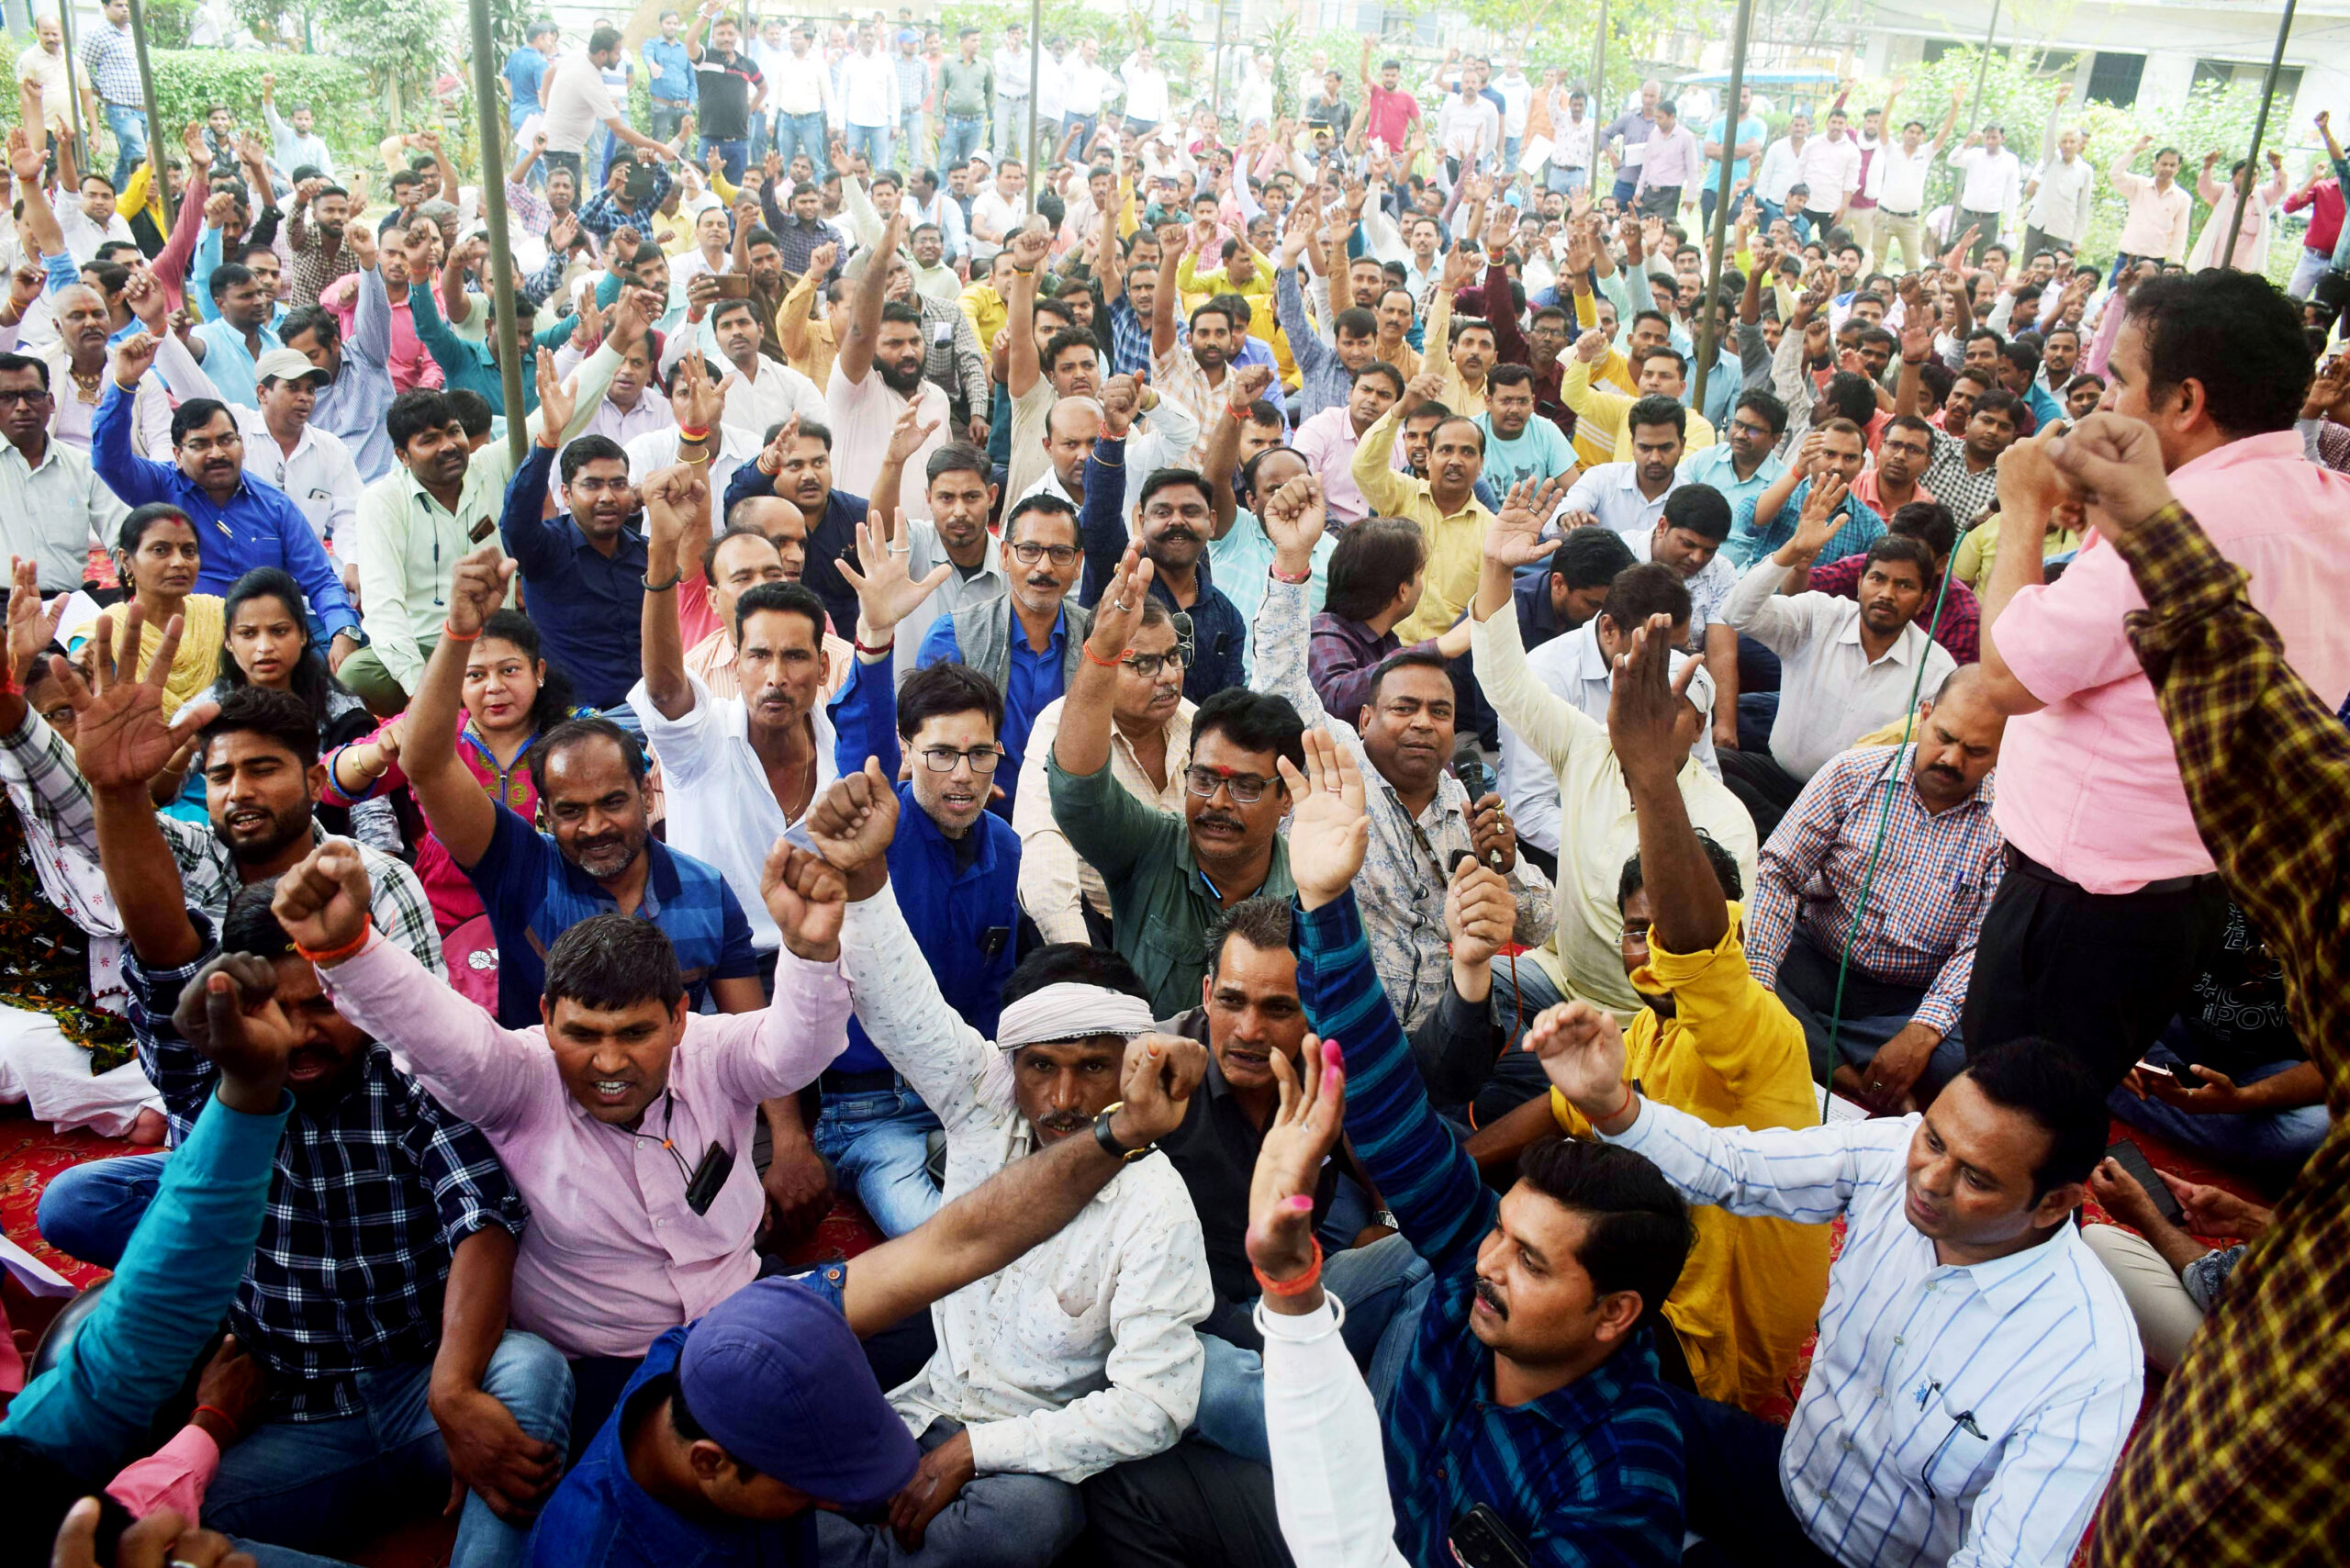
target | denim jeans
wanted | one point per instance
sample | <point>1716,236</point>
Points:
<point>735,153</point>
<point>880,1145</point>
<point>89,1211</point>
<point>1085,126</point>
<point>1566,182</point>
<point>129,127</point>
<point>666,119</point>
<point>802,133</point>
<point>909,138</point>
<point>1384,1286</point>
<point>1011,127</point>
<point>1005,1520</point>
<point>964,135</point>
<point>870,142</point>
<point>2272,1144</point>
<point>323,1485</point>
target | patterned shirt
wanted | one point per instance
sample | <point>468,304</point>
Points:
<point>1968,495</point>
<point>61,801</point>
<point>604,211</point>
<point>371,1198</point>
<point>113,64</point>
<point>2240,1460</point>
<point>1952,616</point>
<point>1753,536</point>
<point>318,261</point>
<point>1589,1474</point>
<point>1933,880</point>
<point>1129,339</point>
<point>1406,868</point>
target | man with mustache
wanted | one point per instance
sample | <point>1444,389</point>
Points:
<point>1175,516</point>
<point>261,784</point>
<point>1085,1356</point>
<point>388,1251</point>
<point>878,375</point>
<point>1905,987</point>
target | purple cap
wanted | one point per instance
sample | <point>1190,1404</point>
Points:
<point>775,1376</point>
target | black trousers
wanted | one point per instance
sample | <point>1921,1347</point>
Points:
<point>1191,1505</point>
<point>1733,1497</point>
<point>2101,974</point>
<point>1761,786</point>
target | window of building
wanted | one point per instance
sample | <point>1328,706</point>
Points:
<point>2114,78</point>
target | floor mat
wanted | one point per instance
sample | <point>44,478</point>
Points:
<point>30,1154</point>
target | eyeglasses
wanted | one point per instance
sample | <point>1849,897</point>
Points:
<point>1636,934</point>
<point>1030,553</point>
<point>1148,666</point>
<point>943,759</point>
<point>29,395</point>
<point>1245,789</point>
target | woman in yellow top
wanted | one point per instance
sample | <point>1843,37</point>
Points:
<point>158,555</point>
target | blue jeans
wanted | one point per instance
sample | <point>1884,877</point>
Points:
<point>90,1211</point>
<point>1511,147</point>
<point>1085,126</point>
<point>734,154</point>
<point>1384,1286</point>
<point>1566,182</point>
<point>880,1145</point>
<point>909,138</point>
<point>802,133</point>
<point>964,135</point>
<point>129,128</point>
<point>320,1485</point>
<point>1003,1520</point>
<point>2275,1144</point>
<point>870,142</point>
<point>667,117</point>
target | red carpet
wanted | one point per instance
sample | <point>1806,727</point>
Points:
<point>30,1153</point>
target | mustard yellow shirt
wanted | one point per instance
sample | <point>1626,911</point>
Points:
<point>1198,287</point>
<point>1603,418</point>
<point>1730,1056</point>
<point>1456,540</point>
<point>1971,564</point>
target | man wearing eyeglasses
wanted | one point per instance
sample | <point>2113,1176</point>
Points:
<point>51,502</point>
<point>955,867</point>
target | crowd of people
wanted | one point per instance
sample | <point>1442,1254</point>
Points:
<point>1346,794</point>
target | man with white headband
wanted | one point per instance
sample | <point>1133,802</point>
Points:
<point>1081,1356</point>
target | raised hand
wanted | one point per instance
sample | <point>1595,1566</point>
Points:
<point>477,585</point>
<point>673,498</point>
<point>228,1012</point>
<point>1820,517</point>
<point>1645,707</point>
<point>1029,247</point>
<point>1515,536</point>
<point>1119,612</point>
<point>1304,1129</point>
<point>908,433</point>
<point>808,899</point>
<point>1121,400</point>
<point>887,591</point>
<point>821,260</point>
<point>556,402</point>
<point>853,819</point>
<point>1295,516</point>
<point>31,628</point>
<point>1249,383</point>
<point>133,357</point>
<point>1156,1082</point>
<point>1329,830</point>
<point>1581,1051</point>
<point>120,740</point>
<point>322,902</point>
<point>360,238</point>
<point>1479,912</point>
<point>694,400</point>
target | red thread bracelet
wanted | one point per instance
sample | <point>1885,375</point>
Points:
<point>457,637</point>
<point>1298,1287</point>
<point>1096,658</point>
<point>235,1428</point>
<point>1630,1100</point>
<point>336,955</point>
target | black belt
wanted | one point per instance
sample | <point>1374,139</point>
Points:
<point>2209,882</point>
<point>1890,213</point>
<point>857,1082</point>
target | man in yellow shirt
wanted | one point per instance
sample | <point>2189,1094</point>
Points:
<point>1711,1042</point>
<point>1603,426</point>
<point>1444,504</point>
<point>1460,363</point>
<point>1246,272</point>
<point>983,302</point>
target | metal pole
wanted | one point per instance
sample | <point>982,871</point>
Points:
<point>1975,115</point>
<point>1215,72</point>
<point>2259,129</point>
<point>1035,59</point>
<point>1729,161</point>
<point>155,143</point>
<point>1603,108</point>
<point>74,89</point>
<point>493,197</point>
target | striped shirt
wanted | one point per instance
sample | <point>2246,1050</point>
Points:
<point>371,1197</point>
<point>1590,1473</point>
<point>1753,536</point>
<point>1967,1414</point>
<point>1933,880</point>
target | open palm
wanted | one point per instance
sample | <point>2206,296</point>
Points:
<point>1328,827</point>
<point>887,592</point>
<point>120,739</point>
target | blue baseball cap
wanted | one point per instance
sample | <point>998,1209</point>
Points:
<point>775,1376</point>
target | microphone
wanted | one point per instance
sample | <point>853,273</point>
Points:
<point>1469,766</point>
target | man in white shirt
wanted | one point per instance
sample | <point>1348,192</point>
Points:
<point>1782,168</point>
<point>1146,90</point>
<point>1897,180</point>
<point>1084,1355</point>
<point>1468,128</point>
<point>1831,166</point>
<point>1085,88</point>
<point>996,212</point>
<point>92,220</point>
<point>1994,180</point>
<point>1977,1369</point>
<point>768,391</point>
<point>52,505</point>
<point>2060,192</point>
<point>1011,60</point>
<point>865,94</point>
<point>801,91</point>
<point>579,101</point>
<point>1517,99</point>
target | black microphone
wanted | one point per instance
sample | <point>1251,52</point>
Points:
<point>1469,766</point>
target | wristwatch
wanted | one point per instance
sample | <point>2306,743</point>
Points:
<point>1109,1140</point>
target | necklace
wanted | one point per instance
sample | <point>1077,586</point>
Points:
<point>87,384</point>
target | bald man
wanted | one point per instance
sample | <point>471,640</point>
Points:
<point>1897,1041</point>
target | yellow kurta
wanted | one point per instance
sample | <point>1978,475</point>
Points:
<point>1456,540</point>
<point>1730,1056</point>
<point>196,665</point>
<point>1198,287</point>
<point>1603,418</point>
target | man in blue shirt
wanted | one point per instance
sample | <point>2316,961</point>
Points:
<point>600,855</point>
<point>524,70</point>
<point>1834,450</point>
<point>955,867</point>
<point>244,523</point>
<point>739,1426</point>
<point>1745,465</point>
<point>670,78</point>
<point>1176,514</point>
<point>238,334</point>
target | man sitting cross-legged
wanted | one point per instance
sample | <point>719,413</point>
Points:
<point>1083,1354</point>
<point>376,1302</point>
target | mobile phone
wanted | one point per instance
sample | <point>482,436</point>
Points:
<point>2130,1158</point>
<point>733,285</point>
<point>1480,1539</point>
<point>708,1178</point>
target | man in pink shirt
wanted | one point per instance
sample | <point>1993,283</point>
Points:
<point>2112,907</point>
<point>624,1118</point>
<point>1328,439</point>
<point>1673,159</point>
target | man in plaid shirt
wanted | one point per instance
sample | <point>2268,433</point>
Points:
<point>375,1302</point>
<point>1905,985</point>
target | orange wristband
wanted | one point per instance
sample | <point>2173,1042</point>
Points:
<point>336,955</point>
<point>1096,658</point>
<point>1298,1287</point>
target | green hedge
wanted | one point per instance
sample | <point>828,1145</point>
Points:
<point>188,82</point>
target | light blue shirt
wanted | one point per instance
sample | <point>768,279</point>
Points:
<point>1540,452</point>
<point>1712,466</point>
<point>669,75</point>
<point>1241,558</point>
<point>230,364</point>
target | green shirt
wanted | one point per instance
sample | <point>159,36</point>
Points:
<point>1160,904</point>
<point>966,89</point>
